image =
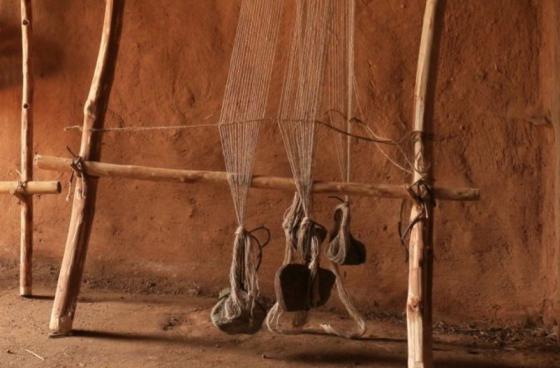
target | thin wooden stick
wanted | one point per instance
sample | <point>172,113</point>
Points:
<point>419,300</point>
<point>72,267</point>
<point>349,86</point>
<point>26,210</point>
<point>100,169</point>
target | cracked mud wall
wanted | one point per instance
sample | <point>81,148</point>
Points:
<point>488,115</point>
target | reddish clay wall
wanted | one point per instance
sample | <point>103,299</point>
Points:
<point>550,93</point>
<point>488,117</point>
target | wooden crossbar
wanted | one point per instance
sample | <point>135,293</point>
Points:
<point>22,189</point>
<point>102,169</point>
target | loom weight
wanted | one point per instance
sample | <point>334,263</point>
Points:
<point>293,285</point>
<point>344,249</point>
<point>248,322</point>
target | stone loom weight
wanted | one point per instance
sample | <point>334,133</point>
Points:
<point>25,187</point>
<point>419,303</point>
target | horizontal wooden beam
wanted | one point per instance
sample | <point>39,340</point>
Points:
<point>30,188</point>
<point>100,169</point>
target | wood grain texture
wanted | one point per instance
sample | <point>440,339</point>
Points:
<point>83,204</point>
<point>26,169</point>
<point>101,169</point>
<point>419,299</point>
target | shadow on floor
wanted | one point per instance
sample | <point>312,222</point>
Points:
<point>369,354</point>
<point>397,359</point>
<point>173,339</point>
<point>39,297</point>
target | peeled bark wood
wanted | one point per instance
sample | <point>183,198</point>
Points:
<point>419,300</point>
<point>26,210</point>
<point>30,188</point>
<point>101,169</point>
<point>72,267</point>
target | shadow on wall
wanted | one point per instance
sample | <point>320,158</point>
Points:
<point>46,57</point>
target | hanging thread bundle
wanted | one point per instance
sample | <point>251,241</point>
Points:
<point>300,287</point>
<point>243,110</point>
<point>340,85</point>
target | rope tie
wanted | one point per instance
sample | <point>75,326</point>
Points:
<point>78,171</point>
<point>19,191</point>
<point>310,236</point>
<point>260,244</point>
<point>247,257</point>
<point>422,194</point>
<point>292,218</point>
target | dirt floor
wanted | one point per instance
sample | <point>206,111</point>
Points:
<point>130,326</point>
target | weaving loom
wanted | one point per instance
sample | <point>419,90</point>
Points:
<point>322,35</point>
<point>318,89</point>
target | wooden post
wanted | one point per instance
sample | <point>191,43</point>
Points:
<point>26,173</point>
<point>419,300</point>
<point>102,169</point>
<point>81,219</point>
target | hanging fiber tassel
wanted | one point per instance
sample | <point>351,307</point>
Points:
<point>354,313</point>
<point>238,309</point>
<point>243,111</point>
<point>343,248</point>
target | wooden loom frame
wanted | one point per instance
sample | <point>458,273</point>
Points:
<point>26,187</point>
<point>419,300</point>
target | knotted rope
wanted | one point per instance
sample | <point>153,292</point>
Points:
<point>78,171</point>
<point>422,195</point>
<point>244,285</point>
<point>19,191</point>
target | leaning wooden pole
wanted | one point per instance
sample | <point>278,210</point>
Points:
<point>419,300</point>
<point>26,170</point>
<point>81,219</point>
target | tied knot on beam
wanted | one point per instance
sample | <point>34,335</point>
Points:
<point>78,171</point>
<point>20,190</point>
<point>422,194</point>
